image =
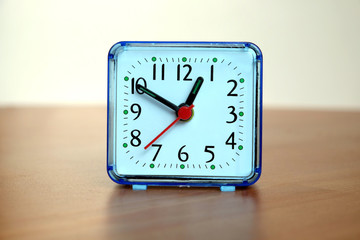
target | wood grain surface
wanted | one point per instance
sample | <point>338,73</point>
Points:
<point>54,183</point>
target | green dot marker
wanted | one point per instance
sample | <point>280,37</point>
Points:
<point>241,114</point>
<point>126,78</point>
<point>212,167</point>
<point>214,59</point>
<point>152,165</point>
<point>184,59</point>
<point>126,112</point>
<point>242,80</point>
<point>153,59</point>
<point>240,147</point>
<point>182,166</point>
<point>125,145</point>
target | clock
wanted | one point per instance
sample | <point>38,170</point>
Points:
<point>184,114</point>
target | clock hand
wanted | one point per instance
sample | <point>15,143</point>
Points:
<point>184,113</point>
<point>157,97</point>
<point>194,91</point>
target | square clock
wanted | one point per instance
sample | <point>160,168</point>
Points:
<point>184,114</point>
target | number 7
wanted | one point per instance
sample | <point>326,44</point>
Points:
<point>157,152</point>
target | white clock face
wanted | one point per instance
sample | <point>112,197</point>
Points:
<point>218,141</point>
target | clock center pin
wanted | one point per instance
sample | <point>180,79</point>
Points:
<point>185,113</point>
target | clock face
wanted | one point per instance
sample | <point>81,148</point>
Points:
<point>184,111</point>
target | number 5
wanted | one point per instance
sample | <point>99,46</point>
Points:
<point>211,152</point>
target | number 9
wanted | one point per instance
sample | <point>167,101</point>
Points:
<point>135,108</point>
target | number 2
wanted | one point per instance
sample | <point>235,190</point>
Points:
<point>231,94</point>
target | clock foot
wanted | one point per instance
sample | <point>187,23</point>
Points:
<point>136,187</point>
<point>227,188</point>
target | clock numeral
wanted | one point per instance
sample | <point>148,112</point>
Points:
<point>135,141</point>
<point>154,72</point>
<point>135,83</point>
<point>178,72</point>
<point>211,152</point>
<point>184,154</point>
<point>212,73</point>
<point>232,113</point>
<point>230,140</point>
<point>157,152</point>
<point>162,72</point>
<point>138,110</point>
<point>231,94</point>
<point>187,74</point>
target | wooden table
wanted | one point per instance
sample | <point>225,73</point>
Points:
<point>54,184</point>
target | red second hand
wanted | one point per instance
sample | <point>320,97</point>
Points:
<point>183,113</point>
<point>157,137</point>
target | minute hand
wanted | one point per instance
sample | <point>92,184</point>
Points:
<point>157,97</point>
<point>194,91</point>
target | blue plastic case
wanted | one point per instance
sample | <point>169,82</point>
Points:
<point>141,181</point>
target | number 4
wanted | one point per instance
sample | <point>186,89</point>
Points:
<point>230,140</point>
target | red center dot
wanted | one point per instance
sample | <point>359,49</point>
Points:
<point>185,113</point>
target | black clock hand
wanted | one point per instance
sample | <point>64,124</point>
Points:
<point>194,91</point>
<point>157,97</point>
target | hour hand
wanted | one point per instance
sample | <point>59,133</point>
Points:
<point>194,91</point>
<point>157,97</point>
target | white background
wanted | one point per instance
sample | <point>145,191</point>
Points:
<point>55,52</point>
